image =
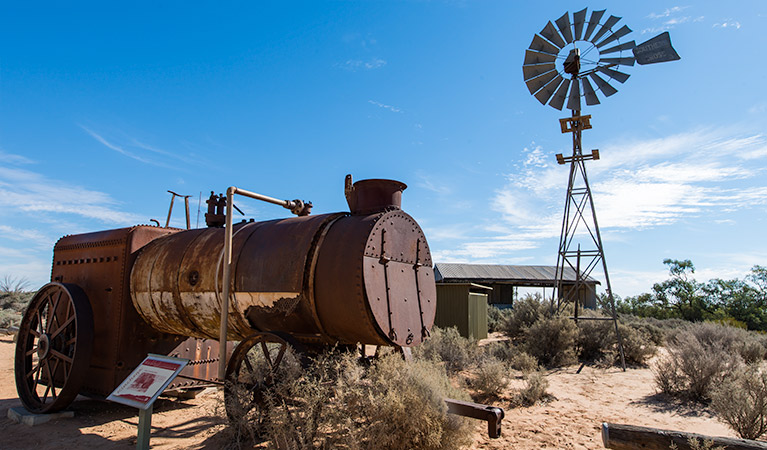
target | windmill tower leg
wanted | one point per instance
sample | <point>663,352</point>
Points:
<point>577,201</point>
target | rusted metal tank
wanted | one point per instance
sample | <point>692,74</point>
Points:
<point>358,277</point>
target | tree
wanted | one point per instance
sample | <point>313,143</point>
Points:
<point>681,292</point>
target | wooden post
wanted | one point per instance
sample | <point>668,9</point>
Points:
<point>630,437</point>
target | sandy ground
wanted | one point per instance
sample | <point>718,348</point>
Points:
<point>570,420</point>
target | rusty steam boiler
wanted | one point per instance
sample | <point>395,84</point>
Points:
<point>363,276</point>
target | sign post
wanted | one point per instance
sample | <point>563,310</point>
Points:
<point>143,386</point>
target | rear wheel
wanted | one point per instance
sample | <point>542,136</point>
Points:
<point>53,349</point>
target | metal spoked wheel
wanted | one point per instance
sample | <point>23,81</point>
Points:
<point>255,366</point>
<point>53,350</point>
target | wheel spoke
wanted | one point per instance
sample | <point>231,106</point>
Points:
<point>280,354</point>
<point>60,356</point>
<point>64,325</point>
<point>32,372</point>
<point>268,357</point>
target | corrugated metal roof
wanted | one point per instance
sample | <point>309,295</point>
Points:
<point>520,275</point>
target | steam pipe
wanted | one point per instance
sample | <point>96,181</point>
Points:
<point>297,207</point>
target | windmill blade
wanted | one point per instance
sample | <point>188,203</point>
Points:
<point>558,101</point>
<point>596,16</point>
<point>603,85</point>
<point>657,49</point>
<point>627,61</point>
<point>532,57</point>
<point>564,27</point>
<point>544,94</point>
<point>540,44</point>
<point>614,74</point>
<point>538,82</point>
<point>574,102</point>
<point>619,48</point>
<point>550,32</point>
<point>624,30</point>
<point>607,26</point>
<point>535,70</point>
<point>578,19</point>
<point>588,91</point>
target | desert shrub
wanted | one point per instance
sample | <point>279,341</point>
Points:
<point>699,357</point>
<point>524,362</point>
<point>525,313</point>
<point>741,401</point>
<point>448,346</point>
<point>502,350</point>
<point>752,350</point>
<point>595,337</point>
<point>496,317</point>
<point>490,377</point>
<point>637,347</point>
<point>534,390</point>
<point>552,341</point>
<point>12,306</point>
<point>339,404</point>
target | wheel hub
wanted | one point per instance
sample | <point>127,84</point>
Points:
<point>44,345</point>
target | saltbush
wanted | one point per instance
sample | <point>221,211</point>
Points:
<point>699,357</point>
<point>525,313</point>
<point>552,341</point>
<point>448,346</point>
<point>338,403</point>
<point>741,401</point>
<point>491,377</point>
<point>534,389</point>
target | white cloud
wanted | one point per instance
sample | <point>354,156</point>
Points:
<point>728,23</point>
<point>384,106</point>
<point>668,12</point>
<point>28,191</point>
<point>360,64</point>
<point>635,185</point>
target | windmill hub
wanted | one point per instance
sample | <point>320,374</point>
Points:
<point>573,62</point>
<point>579,57</point>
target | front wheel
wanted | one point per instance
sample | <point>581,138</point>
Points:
<point>53,349</point>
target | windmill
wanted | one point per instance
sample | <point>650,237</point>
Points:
<point>560,65</point>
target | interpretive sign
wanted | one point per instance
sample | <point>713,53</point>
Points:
<point>147,381</point>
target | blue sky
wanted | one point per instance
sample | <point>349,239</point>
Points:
<point>103,108</point>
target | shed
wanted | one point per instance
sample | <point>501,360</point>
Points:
<point>464,306</point>
<point>504,278</point>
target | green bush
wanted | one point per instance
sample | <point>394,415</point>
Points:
<point>552,341</point>
<point>448,346</point>
<point>12,307</point>
<point>741,401</point>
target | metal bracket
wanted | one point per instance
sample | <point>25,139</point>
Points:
<point>491,414</point>
<point>570,124</point>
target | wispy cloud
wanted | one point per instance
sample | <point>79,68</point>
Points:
<point>28,191</point>
<point>354,65</point>
<point>668,12</point>
<point>137,150</point>
<point>636,185</point>
<point>10,158</point>
<point>670,18</point>
<point>727,24</point>
<point>384,106</point>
